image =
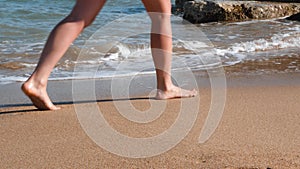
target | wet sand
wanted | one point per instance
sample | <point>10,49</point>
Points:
<point>260,128</point>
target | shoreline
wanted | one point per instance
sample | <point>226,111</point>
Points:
<point>60,91</point>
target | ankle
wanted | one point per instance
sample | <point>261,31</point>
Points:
<point>168,86</point>
<point>36,83</point>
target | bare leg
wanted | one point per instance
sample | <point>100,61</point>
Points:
<point>82,15</point>
<point>161,47</point>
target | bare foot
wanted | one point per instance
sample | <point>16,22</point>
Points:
<point>38,96</point>
<point>175,92</point>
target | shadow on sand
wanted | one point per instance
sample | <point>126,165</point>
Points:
<point>61,103</point>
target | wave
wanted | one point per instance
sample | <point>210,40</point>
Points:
<point>267,46</point>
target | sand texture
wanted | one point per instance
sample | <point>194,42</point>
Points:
<point>260,128</point>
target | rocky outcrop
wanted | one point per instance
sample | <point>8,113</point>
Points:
<point>295,17</point>
<point>180,3</point>
<point>292,1</point>
<point>199,11</point>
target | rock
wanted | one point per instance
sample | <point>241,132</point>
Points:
<point>180,3</point>
<point>295,17</point>
<point>199,11</point>
<point>293,1</point>
<point>178,8</point>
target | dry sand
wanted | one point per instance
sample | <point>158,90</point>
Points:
<point>260,128</point>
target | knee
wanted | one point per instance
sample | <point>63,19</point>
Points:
<point>80,21</point>
<point>159,18</point>
<point>88,22</point>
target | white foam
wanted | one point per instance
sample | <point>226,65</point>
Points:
<point>193,45</point>
<point>23,47</point>
<point>11,79</point>
<point>29,65</point>
<point>256,21</point>
<point>276,42</point>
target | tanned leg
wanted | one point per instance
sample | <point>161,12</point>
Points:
<point>59,40</point>
<point>161,47</point>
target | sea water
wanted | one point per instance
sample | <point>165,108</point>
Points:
<point>255,47</point>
